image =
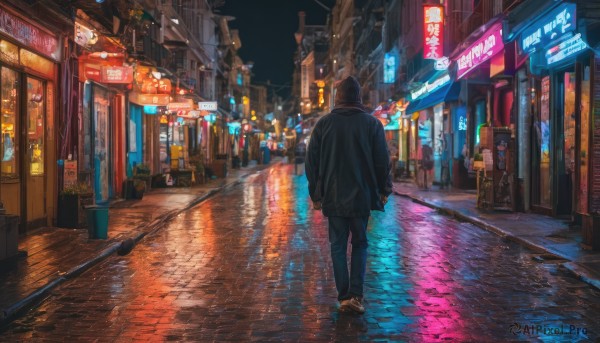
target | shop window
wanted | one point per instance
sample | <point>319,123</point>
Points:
<point>35,126</point>
<point>37,63</point>
<point>9,52</point>
<point>543,133</point>
<point>585,143</point>
<point>8,121</point>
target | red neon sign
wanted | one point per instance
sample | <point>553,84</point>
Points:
<point>433,31</point>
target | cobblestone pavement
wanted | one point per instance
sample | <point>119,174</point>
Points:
<point>252,264</point>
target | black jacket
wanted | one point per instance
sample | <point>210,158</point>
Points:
<point>348,164</point>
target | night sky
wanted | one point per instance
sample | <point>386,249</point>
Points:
<point>267,30</point>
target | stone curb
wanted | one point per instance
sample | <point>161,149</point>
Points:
<point>10,313</point>
<point>571,266</point>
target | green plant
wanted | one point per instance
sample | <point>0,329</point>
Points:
<point>76,189</point>
<point>478,157</point>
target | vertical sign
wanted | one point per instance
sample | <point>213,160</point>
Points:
<point>433,31</point>
<point>389,68</point>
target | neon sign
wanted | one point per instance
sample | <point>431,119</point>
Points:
<point>433,32</point>
<point>462,123</point>
<point>389,68</point>
<point>429,87</point>
<point>556,23</point>
<point>482,50</point>
<point>565,49</point>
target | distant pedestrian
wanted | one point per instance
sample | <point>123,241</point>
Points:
<point>348,172</point>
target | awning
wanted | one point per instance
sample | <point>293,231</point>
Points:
<point>449,92</point>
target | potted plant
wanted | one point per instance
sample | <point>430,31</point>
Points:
<point>71,202</point>
<point>139,188</point>
<point>142,172</point>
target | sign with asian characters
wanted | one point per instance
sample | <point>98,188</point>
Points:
<point>482,50</point>
<point>550,27</point>
<point>433,31</point>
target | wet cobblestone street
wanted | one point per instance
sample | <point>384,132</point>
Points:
<point>252,264</point>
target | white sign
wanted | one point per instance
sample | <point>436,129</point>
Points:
<point>442,63</point>
<point>70,173</point>
<point>207,105</point>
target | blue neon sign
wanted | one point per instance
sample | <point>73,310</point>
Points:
<point>551,26</point>
<point>389,68</point>
<point>565,49</point>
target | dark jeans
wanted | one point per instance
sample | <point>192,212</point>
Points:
<point>339,229</point>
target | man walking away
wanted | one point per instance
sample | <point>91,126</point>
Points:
<point>348,170</point>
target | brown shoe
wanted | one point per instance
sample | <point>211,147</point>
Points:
<point>352,305</point>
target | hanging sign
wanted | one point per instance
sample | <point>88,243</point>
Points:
<point>433,31</point>
<point>187,105</point>
<point>482,50</point>
<point>107,74</point>
<point>207,105</point>
<point>550,27</point>
<point>389,68</point>
<point>149,99</point>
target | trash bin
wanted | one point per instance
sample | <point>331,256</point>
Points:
<point>97,220</point>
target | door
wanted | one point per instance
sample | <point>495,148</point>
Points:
<point>34,166</point>
<point>565,144</point>
<point>100,126</point>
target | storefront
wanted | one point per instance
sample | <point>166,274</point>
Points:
<point>558,73</point>
<point>432,106</point>
<point>177,131</point>
<point>102,122</point>
<point>147,102</point>
<point>480,64</point>
<point>28,74</point>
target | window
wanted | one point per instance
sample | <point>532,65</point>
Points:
<point>35,126</point>
<point>9,108</point>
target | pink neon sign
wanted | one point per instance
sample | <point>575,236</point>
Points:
<point>482,50</point>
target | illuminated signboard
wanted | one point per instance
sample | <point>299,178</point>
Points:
<point>25,33</point>
<point>482,50</point>
<point>389,68</point>
<point>433,31</point>
<point>207,105</point>
<point>553,25</point>
<point>565,49</point>
<point>429,87</point>
<point>442,63</point>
